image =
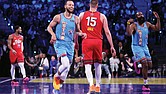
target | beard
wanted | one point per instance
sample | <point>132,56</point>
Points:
<point>69,11</point>
<point>141,20</point>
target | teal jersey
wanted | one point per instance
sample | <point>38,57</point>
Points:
<point>140,37</point>
<point>66,28</point>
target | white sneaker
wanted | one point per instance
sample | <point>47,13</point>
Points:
<point>50,75</point>
<point>130,70</point>
<point>139,65</point>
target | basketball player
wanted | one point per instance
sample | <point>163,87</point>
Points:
<point>139,32</point>
<point>15,44</point>
<point>66,23</point>
<point>92,22</point>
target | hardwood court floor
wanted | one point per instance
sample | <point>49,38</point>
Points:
<point>80,86</point>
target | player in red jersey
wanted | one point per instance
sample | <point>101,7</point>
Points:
<point>92,22</point>
<point>15,44</point>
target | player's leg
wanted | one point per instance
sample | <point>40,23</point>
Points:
<point>145,74</point>
<point>12,71</point>
<point>97,53</point>
<point>67,68</point>
<point>147,63</point>
<point>88,61</point>
<point>140,56</point>
<point>13,65</point>
<point>21,65</point>
<point>148,56</point>
<point>89,76</point>
<point>61,73</point>
<point>20,61</point>
<point>97,76</point>
<point>61,55</point>
<point>23,72</point>
<point>70,55</point>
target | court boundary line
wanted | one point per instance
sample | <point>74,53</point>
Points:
<point>5,81</point>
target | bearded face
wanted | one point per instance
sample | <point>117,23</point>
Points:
<point>140,18</point>
<point>19,30</point>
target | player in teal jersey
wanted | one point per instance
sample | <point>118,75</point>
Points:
<point>139,32</point>
<point>66,25</point>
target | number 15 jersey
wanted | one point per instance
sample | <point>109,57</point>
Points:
<point>92,25</point>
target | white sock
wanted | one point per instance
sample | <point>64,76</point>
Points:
<point>65,64</point>
<point>64,75</point>
<point>89,74</point>
<point>21,65</point>
<point>98,74</point>
<point>145,81</point>
<point>12,71</point>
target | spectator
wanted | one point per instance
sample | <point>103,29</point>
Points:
<point>53,65</point>
<point>105,64</point>
<point>114,61</point>
<point>44,66</point>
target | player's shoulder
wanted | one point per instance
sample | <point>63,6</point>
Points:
<point>148,23</point>
<point>81,14</point>
<point>11,35</point>
<point>102,15</point>
<point>75,16</point>
<point>57,16</point>
<point>21,36</point>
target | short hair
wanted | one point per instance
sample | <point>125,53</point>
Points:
<point>67,1</point>
<point>93,3</point>
<point>16,27</point>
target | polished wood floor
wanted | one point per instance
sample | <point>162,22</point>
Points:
<point>80,86</point>
<point>106,80</point>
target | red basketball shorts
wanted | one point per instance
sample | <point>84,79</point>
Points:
<point>19,57</point>
<point>92,51</point>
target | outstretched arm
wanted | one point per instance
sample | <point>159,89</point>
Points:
<point>107,32</point>
<point>156,27</point>
<point>55,21</point>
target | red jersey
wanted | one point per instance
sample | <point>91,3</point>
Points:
<point>17,42</point>
<point>92,25</point>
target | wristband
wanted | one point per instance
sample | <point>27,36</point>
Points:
<point>128,23</point>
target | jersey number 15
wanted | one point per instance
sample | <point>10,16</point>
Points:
<point>91,21</point>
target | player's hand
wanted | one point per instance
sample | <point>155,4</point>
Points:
<point>14,52</point>
<point>84,35</point>
<point>130,20</point>
<point>113,50</point>
<point>53,39</point>
<point>156,14</point>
